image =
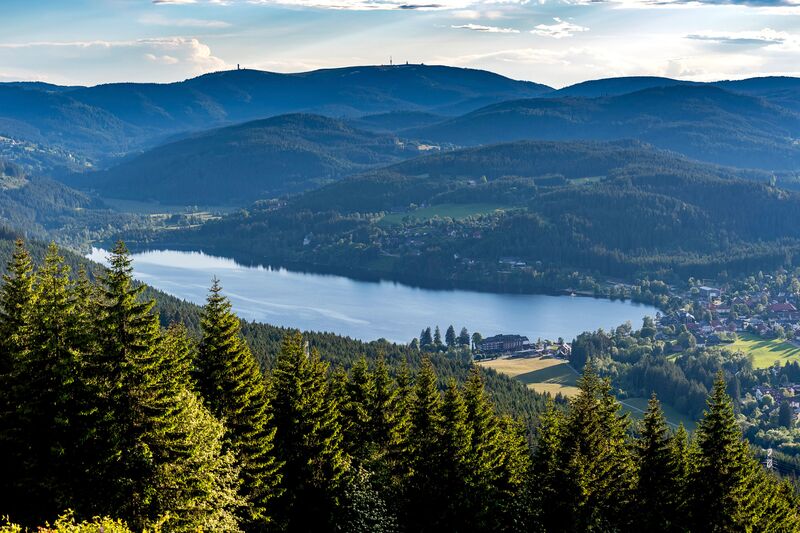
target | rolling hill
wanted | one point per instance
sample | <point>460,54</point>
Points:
<point>123,117</point>
<point>240,164</point>
<point>620,209</point>
<point>46,209</point>
<point>615,86</point>
<point>703,122</point>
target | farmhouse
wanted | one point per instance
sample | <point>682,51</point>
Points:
<point>503,343</point>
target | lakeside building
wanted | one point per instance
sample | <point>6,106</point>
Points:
<point>503,343</point>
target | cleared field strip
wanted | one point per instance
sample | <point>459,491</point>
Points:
<point>542,375</point>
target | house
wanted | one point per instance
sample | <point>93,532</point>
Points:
<point>503,343</point>
<point>709,293</point>
<point>782,309</point>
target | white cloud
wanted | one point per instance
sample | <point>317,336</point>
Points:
<point>559,30</point>
<point>365,5</point>
<point>484,29</point>
<point>774,7</point>
<point>159,20</point>
<point>766,38</point>
<point>476,14</point>
<point>165,59</point>
<point>159,58</point>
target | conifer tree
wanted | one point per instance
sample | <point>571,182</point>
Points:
<point>355,407</point>
<point>719,482</point>
<point>308,439</point>
<point>145,446</point>
<point>680,451</point>
<point>549,480</point>
<point>657,491</point>
<point>48,382</point>
<point>463,338</point>
<point>233,387</point>
<point>450,337</point>
<point>422,485</point>
<point>383,409</point>
<point>398,459</point>
<point>510,507</point>
<point>486,453</point>
<point>196,481</point>
<point>599,468</point>
<point>425,338</point>
<point>16,305</point>
<point>453,473</point>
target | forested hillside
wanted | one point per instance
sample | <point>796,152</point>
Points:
<point>44,208</point>
<point>603,209</point>
<point>107,121</point>
<point>106,413</point>
<point>703,122</point>
<point>242,163</point>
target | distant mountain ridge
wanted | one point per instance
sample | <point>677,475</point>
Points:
<point>701,121</point>
<point>97,126</point>
<point>122,117</point>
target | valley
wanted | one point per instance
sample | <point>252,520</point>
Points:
<point>633,236</point>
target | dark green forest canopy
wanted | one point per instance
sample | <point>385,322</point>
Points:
<point>260,159</point>
<point>703,122</point>
<point>621,209</point>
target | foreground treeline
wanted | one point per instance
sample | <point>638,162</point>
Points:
<point>105,413</point>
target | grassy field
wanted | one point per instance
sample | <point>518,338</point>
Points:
<point>765,351</point>
<point>637,406</point>
<point>555,376</point>
<point>542,375</point>
<point>455,211</point>
<point>152,208</point>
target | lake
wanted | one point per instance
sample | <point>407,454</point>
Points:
<point>371,310</point>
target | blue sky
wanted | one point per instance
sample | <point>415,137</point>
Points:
<point>557,42</point>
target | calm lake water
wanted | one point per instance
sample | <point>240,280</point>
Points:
<point>369,310</point>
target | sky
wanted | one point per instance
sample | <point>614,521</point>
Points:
<point>556,42</point>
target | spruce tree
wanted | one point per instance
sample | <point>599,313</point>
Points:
<point>486,453</point>
<point>549,480</point>
<point>450,337</point>
<point>16,304</point>
<point>422,485</point>
<point>232,385</point>
<point>599,467</point>
<point>658,490</point>
<point>148,456</point>
<point>398,457</point>
<point>511,508</point>
<point>680,451</point>
<point>308,439</point>
<point>437,338</point>
<point>719,482</point>
<point>17,301</point>
<point>453,487</point>
<point>355,407</point>
<point>383,409</point>
<point>463,338</point>
<point>48,382</point>
<point>195,479</point>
